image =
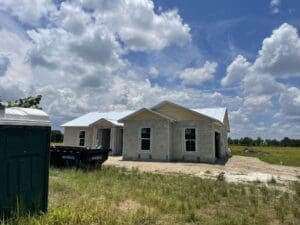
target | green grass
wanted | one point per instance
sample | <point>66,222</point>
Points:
<point>289,156</point>
<point>115,196</point>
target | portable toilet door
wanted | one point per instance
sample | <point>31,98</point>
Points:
<point>24,159</point>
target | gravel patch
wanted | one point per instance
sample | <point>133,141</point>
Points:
<point>236,169</point>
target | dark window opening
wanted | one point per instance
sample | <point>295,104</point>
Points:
<point>82,138</point>
<point>190,139</point>
<point>145,133</point>
<point>145,138</point>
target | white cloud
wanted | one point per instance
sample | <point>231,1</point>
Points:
<point>71,18</point>
<point>238,117</point>
<point>196,76</point>
<point>274,6</point>
<point>75,55</point>
<point>257,104</point>
<point>138,25</point>
<point>236,71</point>
<point>280,53</point>
<point>78,62</point>
<point>290,104</point>
<point>28,11</point>
<point>279,57</point>
<point>4,63</point>
<point>262,87</point>
<point>16,79</point>
<point>153,72</point>
<point>97,45</point>
<point>256,84</point>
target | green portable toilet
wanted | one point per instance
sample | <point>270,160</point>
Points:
<point>24,159</point>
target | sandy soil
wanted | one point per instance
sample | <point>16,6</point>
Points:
<point>236,169</point>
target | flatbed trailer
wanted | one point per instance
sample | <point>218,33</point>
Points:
<point>68,156</point>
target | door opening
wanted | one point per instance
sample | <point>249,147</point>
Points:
<point>121,140</point>
<point>104,138</point>
<point>217,145</point>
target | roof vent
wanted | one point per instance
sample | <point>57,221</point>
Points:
<point>2,110</point>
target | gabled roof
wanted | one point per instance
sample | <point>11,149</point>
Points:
<point>145,110</point>
<point>92,117</point>
<point>116,118</point>
<point>211,113</point>
<point>216,113</point>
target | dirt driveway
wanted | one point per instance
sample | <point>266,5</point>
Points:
<point>237,169</point>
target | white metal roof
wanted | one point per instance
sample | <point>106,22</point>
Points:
<point>24,117</point>
<point>215,113</point>
<point>92,117</point>
<point>115,116</point>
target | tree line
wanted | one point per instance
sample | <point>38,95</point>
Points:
<point>247,141</point>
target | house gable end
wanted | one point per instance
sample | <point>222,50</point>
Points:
<point>177,112</point>
<point>103,123</point>
<point>145,114</point>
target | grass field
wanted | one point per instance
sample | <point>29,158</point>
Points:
<point>115,196</point>
<point>289,156</point>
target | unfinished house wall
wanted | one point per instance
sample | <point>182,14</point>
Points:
<point>159,144</point>
<point>204,145</point>
<point>223,139</point>
<point>118,141</point>
<point>93,137</point>
<point>115,136</point>
<point>71,136</point>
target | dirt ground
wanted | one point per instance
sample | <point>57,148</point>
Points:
<point>236,169</point>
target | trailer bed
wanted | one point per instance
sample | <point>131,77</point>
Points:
<point>65,156</point>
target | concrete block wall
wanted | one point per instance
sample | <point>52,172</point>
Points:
<point>204,142</point>
<point>159,150</point>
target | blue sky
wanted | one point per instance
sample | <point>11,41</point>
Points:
<point>101,55</point>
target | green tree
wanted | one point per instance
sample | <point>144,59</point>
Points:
<point>258,141</point>
<point>246,141</point>
<point>29,102</point>
<point>57,136</point>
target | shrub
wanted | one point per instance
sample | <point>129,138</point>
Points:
<point>221,176</point>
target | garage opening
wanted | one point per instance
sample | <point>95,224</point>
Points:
<point>217,145</point>
<point>104,138</point>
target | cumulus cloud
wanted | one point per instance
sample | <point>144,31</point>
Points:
<point>256,84</point>
<point>257,104</point>
<point>97,46</point>
<point>27,11</point>
<point>280,53</point>
<point>236,71</point>
<point>4,63</point>
<point>290,104</point>
<point>72,18</point>
<point>261,84</point>
<point>77,60</point>
<point>16,80</point>
<point>77,55</point>
<point>144,29</point>
<point>279,57</point>
<point>196,76</point>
